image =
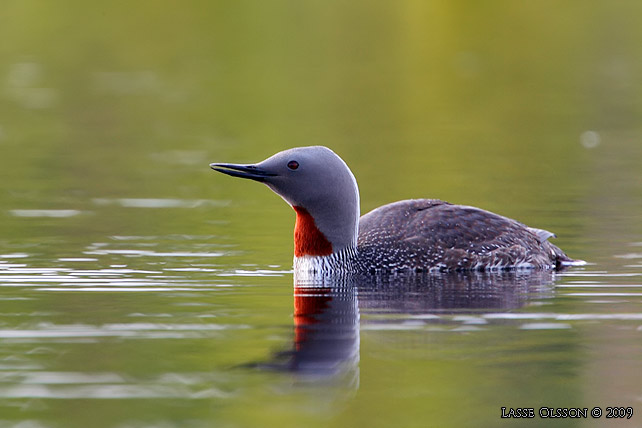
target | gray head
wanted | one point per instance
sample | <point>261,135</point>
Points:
<point>313,178</point>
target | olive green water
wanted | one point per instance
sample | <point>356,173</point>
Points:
<point>140,289</point>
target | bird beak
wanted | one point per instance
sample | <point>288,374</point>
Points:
<point>252,172</point>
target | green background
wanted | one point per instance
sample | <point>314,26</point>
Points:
<point>115,109</point>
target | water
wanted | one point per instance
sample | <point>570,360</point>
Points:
<point>140,289</point>
<point>143,333</point>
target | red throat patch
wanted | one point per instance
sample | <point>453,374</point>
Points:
<point>308,239</point>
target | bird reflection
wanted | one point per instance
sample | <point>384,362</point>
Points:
<point>327,310</point>
<point>326,327</point>
<point>452,292</point>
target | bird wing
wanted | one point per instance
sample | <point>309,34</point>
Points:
<point>430,232</point>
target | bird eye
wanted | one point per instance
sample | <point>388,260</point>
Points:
<point>293,165</point>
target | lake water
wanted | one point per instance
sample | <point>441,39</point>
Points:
<point>140,289</point>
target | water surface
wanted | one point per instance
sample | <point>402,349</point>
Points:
<point>138,288</point>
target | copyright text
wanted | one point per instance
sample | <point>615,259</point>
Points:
<point>567,412</point>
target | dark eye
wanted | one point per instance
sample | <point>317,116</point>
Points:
<point>293,165</point>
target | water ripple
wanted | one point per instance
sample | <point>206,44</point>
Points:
<point>257,272</point>
<point>109,391</point>
<point>159,203</point>
<point>121,330</point>
<point>45,213</point>
<point>14,256</point>
<point>148,253</point>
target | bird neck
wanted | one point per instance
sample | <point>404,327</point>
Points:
<point>329,227</point>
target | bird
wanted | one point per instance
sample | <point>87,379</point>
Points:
<point>415,235</point>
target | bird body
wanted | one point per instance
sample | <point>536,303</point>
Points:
<point>411,235</point>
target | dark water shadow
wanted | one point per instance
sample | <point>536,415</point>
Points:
<point>456,292</point>
<point>327,311</point>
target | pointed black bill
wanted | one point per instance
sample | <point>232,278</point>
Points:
<point>252,172</point>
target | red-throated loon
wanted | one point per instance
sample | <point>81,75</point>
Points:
<point>411,235</point>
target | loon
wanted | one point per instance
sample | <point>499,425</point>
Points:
<point>420,235</point>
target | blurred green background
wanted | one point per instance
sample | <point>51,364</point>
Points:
<point>115,109</point>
